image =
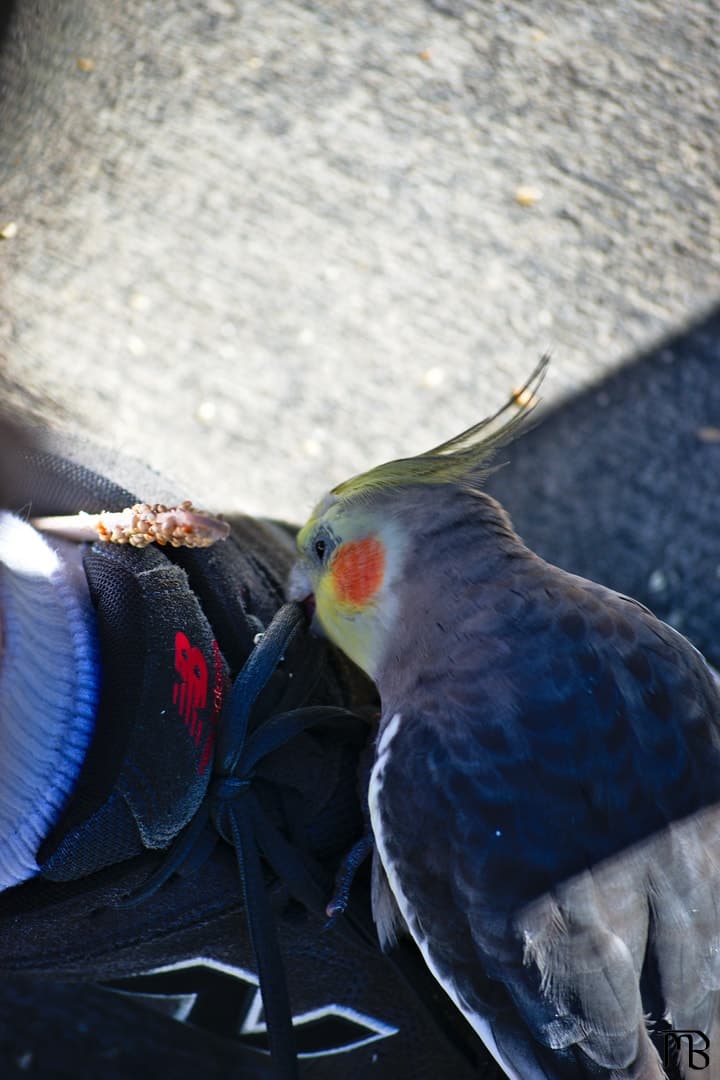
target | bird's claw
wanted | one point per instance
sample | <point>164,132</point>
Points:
<point>349,867</point>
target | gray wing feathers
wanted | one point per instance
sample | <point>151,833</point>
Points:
<point>686,916</point>
<point>586,942</point>
<point>388,920</point>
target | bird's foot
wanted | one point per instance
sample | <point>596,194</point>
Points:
<point>349,867</point>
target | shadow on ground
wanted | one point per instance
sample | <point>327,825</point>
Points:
<point>622,483</point>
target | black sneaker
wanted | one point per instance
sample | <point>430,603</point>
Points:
<point>190,869</point>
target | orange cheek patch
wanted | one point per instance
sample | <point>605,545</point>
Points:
<point>358,570</point>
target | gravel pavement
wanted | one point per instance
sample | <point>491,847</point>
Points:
<point>264,245</point>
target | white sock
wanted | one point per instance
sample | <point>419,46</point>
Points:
<point>49,687</point>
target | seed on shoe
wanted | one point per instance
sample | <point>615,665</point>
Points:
<point>140,525</point>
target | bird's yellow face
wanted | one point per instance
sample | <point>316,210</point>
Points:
<point>349,559</point>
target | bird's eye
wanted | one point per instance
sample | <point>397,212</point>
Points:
<point>320,548</point>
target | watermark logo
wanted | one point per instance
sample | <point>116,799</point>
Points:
<point>693,1045</point>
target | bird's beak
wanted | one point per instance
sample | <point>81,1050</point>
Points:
<point>299,583</point>
<point>300,588</point>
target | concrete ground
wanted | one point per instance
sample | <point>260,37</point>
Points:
<point>265,245</point>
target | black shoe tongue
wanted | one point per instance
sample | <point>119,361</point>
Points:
<point>163,684</point>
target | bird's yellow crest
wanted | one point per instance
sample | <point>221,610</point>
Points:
<point>352,550</point>
<point>464,456</point>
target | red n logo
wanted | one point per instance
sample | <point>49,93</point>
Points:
<point>190,692</point>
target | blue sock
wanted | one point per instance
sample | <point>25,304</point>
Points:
<point>49,687</point>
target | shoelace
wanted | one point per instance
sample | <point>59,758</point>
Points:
<point>231,809</point>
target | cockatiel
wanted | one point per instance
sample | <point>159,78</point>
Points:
<point>545,795</point>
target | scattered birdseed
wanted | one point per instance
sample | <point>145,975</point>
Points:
<point>311,447</point>
<point>709,434</point>
<point>524,398</point>
<point>206,412</point>
<point>657,582</point>
<point>136,345</point>
<point>433,377</point>
<point>139,302</point>
<point>527,195</point>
